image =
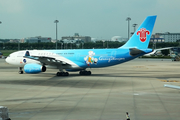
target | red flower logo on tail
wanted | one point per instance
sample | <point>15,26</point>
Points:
<point>143,33</point>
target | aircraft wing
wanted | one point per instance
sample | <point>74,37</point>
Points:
<point>163,48</point>
<point>49,60</point>
<point>155,50</point>
<point>52,60</point>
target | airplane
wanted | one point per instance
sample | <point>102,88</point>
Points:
<point>155,51</point>
<point>78,60</point>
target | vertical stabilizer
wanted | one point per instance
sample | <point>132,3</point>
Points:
<point>140,39</point>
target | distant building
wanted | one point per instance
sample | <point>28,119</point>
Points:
<point>37,39</point>
<point>94,40</point>
<point>76,36</point>
<point>14,40</point>
<point>169,37</point>
<point>4,40</point>
<point>157,39</point>
<point>119,39</point>
<point>9,40</point>
<point>54,41</point>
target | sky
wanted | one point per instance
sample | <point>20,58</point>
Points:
<point>101,19</point>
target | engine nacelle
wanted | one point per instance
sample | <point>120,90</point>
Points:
<point>34,68</point>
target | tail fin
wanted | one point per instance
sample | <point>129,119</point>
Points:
<point>141,37</point>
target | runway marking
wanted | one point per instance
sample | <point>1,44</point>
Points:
<point>169,81</point>
<point>139,93</point>
<point>139,67</point>
<point>136,94</point>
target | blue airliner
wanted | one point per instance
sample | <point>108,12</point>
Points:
<point>36,61</point>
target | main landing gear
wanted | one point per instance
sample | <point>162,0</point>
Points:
<point>84,72</point>
<point>20,70</point>
<point>62,74</point>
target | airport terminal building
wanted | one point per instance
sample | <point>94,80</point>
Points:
<point>76,36</point>
<point>168,37</point>
<point>37,39</point>
<point>156,39</point>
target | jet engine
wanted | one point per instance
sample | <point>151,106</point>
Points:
<point>34,68</point>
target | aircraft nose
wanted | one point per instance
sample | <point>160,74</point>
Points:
<point>7,59</point>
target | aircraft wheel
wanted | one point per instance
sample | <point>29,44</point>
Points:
<point>81,72</point>
<point>89,72</point>
<point>66,74</point>
<point>20,72</point>
<point>86,72</point>
<point>58,74</point>
<point>62,74</point>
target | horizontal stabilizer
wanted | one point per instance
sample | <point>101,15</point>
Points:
<point>135,51</point>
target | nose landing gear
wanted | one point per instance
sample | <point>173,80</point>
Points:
<point>20,70</point>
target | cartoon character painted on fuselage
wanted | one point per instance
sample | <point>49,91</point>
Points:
<point>90,59</point>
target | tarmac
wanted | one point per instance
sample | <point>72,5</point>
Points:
<point>136,87</point>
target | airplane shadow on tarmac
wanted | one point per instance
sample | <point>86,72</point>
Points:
<point>101,81</point>
<point>77,83</point>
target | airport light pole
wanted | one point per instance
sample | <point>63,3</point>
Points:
<point>107,43</point>
<point>128,19</point>
<point>18,45</point>
<point>56,21</point>
<point>134,25</point>
<point>61,45</point>
<point>82,44</point>
<point>103,42</point>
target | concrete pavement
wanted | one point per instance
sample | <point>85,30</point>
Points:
<point>135,87</point>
